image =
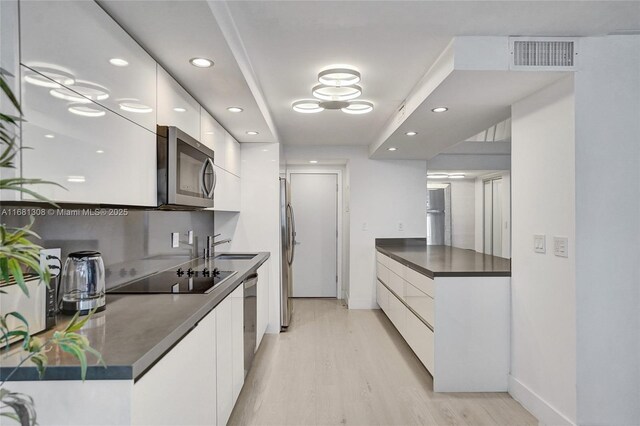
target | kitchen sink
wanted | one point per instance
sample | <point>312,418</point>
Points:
<point>232,256</point>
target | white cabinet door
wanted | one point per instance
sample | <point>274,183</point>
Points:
<point>212,134</point>
<point>237,331</point>
<point>176,107</point>
<point>262,320</point>
<point>232,155</point>
<point>97,155</point>
<point>181,388</point>
<point>226,196</point>
<point>77,43</point>
<point>224,360</point>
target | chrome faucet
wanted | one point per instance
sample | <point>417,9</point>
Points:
<point>208,249</point>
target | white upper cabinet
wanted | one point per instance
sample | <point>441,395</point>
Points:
<point>232,155</point>
<point>176,107</point>
<point>226,196</point>
<point>212,134</point>
<point>89,57</point>
<point>97,155</point>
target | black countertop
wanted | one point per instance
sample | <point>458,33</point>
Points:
<point>134,332</point>
<point>443,261</point>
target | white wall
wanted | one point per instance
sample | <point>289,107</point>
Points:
<point>381,195</point>
<point>608,230</point>
<point>543,357</point>
<point>257,226</point>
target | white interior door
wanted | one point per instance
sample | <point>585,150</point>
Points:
<point>314,197</point>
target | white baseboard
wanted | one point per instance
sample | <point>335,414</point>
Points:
<point>362,304</point>
<point>541,409</point>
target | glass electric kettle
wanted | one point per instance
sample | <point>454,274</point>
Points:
<point>83,287</point>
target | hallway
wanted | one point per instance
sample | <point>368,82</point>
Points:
<point>340,366</point>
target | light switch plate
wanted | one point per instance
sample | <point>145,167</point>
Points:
<point>539,244</point>
<point>400,226</point>
<point>561,246</point>
<point>175,239</point>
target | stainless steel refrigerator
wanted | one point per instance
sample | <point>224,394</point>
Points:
<point>436,215</point>
<point>287,247</point>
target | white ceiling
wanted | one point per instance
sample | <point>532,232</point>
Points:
<point>174,32</point>
<point>392,43</point>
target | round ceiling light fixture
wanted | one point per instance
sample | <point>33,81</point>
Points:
<point>336,93</point>
<point>358,107</point>
<point>234,109</point>
<point>201,62</point>
<point>118,62</point>
<point>440,109</point>
<point>307,106</point>
<point>339,75</point>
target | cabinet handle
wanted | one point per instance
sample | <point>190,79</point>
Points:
<point>208,193</point>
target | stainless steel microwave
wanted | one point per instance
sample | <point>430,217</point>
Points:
<point>186,175</point>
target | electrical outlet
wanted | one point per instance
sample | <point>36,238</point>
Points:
<point>400,226</point>
<point>364,226</point>
<point>175,239</point>
<point>561,246</point>
<point>539,244</point>
<point>51,259</point>
<point>190,236</point>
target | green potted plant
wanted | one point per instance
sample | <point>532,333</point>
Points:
<point>17,253</point>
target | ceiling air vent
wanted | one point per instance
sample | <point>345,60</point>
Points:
<point>541,54</point>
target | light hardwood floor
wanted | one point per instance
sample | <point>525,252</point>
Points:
<point>338,366</point>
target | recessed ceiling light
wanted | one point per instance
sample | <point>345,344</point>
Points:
<point>208,133</point>
<point>99,151</point>
<point>86,111</point>
<point>440,109</point>
<point>118,62</point>
<point>252,132</point>
<point>392,149</point>
<point>339,75</point>
<point>179,109</point>
<point>307,106</point>
<point>437,176</point>
<point>49,136</point>
<point>336,93</point>
<point>201,62</point>
<point>313,161</point>
<point>411,133</point>
<point>358,107</point>
<point>135,107</point>
<point>235,109</point>
<point>78,179</point>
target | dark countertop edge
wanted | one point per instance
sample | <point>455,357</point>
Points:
<point>431,274</point>
<point>147,361</point>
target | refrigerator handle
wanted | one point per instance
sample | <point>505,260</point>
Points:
<point>293,234</point>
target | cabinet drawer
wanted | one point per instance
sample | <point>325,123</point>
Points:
<point>397,314</point>
<point>422,282</point>
<point>421,340</point>
<point>382,273</point>
<point>396,284</point>
<point>381,258</point>
<point>420,302</point>
<point>382,296</point>
<point>396,267</point>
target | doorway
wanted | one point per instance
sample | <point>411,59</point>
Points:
<point>315,196</point>
<point>492,223</point>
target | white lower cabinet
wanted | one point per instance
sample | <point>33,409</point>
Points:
<point>465,345</point>
<point>226,196</point>
<point>180,389</point>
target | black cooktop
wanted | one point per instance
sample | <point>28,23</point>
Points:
<point>176,282</point>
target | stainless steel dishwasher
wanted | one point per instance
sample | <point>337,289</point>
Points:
<point>250,317</point>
